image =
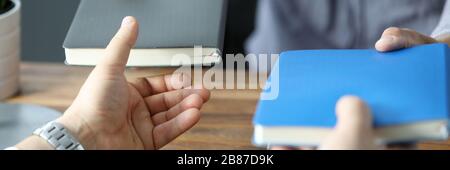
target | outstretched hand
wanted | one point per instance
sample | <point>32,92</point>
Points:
<point>147,113</point>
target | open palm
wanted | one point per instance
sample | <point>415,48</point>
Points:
<point>145,113</point>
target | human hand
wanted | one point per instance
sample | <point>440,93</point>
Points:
<point>353,130</point>
<point>398,38</point>
<point>147,113</point>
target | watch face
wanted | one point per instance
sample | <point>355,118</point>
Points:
<point>17,121</point>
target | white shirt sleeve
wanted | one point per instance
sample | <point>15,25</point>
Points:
<point>444,24</point>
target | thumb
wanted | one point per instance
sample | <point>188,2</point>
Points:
<point>398,38</point>
<point>354,126</point>
<point>118,50</point>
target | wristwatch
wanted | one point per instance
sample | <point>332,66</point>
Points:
<point>58,136</point>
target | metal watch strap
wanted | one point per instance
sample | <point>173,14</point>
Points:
<point>58,136</point>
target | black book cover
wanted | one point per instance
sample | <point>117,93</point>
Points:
<point>163,23</point>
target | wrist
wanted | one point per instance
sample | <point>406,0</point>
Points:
<point>443,38</point>
<point>79,129</point>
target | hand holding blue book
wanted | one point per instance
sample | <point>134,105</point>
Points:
<point>407,91</point>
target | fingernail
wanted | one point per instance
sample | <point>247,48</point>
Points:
<point>127,21</point>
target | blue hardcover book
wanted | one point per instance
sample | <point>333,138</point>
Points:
<point>407,91</point>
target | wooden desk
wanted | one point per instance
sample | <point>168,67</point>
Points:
<point>226,118</point>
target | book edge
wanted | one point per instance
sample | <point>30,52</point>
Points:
<point>140,57</point>
<point>313,136</point>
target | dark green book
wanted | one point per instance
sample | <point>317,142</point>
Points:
<point>167,28</point>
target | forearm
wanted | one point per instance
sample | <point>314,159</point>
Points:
<point>34,143</point>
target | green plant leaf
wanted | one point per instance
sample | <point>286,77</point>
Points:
<point>2,4</point>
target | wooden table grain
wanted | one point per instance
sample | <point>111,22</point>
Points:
<point>226,121</point>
